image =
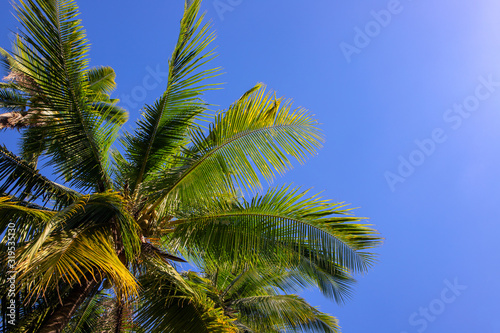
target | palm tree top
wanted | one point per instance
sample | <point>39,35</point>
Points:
<point>122,207</point>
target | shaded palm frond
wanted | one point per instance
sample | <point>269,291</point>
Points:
<point>20,178</point>
<point>283,313</point>
<point>169,303</point>
<point>14,102</point>
<point>86,319</point>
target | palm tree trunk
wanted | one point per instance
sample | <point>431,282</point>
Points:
<point>56,321</point>
<point>119,317</point>
<point>14,120</point>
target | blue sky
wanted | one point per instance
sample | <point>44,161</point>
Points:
<point>408,94</point>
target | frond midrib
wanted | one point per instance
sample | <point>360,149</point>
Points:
<point>232,214</point>
<point>91,141</point>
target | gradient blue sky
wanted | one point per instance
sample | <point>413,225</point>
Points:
<point>439,218</point>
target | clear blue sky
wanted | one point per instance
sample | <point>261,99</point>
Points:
<point>410,105</point>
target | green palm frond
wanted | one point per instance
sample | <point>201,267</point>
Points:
<point>255,137</point>
<point>87,317</point>
<point>335,282</point>
<point>283,313</point>
<point>24,218</point>
<point>51,52</point>
<point>110,112</point>
<point>163,126</point>
<point>254,299</point>
<point>281,219</point>
<point>103,312</point>
<point>171,304</point>
<point>101,79</point>
<point>18,177</point>
<point>13,101</point>
<point>256,281</point>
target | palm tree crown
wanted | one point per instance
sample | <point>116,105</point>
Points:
<point>129,205</point>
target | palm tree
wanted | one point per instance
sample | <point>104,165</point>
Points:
<point>175,186</point>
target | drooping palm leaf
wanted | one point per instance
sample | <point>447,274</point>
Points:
<point>265,313</point>
<point>25,219</point>
<point>68,256</point>
<point>104,210</point>
<point>282,218</point>
<point>171,304</point>
<point>101,79</point>
<point>18,177</point>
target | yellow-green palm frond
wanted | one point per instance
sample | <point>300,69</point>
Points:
<point>164,125</point>
<point>94,210</point>
<point>101,79</point>
<point>256,137</point>
<point>23,218</point>
<point>69,255</point>
<point>51,54</point>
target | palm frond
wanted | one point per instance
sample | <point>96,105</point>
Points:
<point>101,210</point>
<point>283,312</point>
<point>52,52</point>
<point>101,79</point>
<point>255,137</point>
<point>170,304</point>
<point>68,256</point>
<point>19,177</point>
<point>14,102</point>
<point>87,317</point>
<point>163,126</point>
<point>26,220</point>
<point>282,218</point>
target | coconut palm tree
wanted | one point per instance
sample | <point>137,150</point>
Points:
<point>111,215</point>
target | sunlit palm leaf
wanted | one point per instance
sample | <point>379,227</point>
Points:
<point>101,79</point>
<point>255,137</point>
<point>69,255</point>
<point>163,126</point>
<point>105,210</point>
<point>52,52</point>
<point>283,218</point>
<point>24,218</point>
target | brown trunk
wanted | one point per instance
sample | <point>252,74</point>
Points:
<point>20,119</point>
<point>56,321</point>
<point>119,317</point>
<point>15,120</point>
